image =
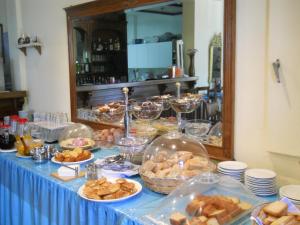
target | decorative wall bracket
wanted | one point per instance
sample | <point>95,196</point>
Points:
<point>37,46</point>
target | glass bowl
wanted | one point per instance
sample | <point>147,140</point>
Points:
<point>147,110</point>
<point>133,148</point>
<point>164,125</point>
<point>111,113</point>
<point>172,159</point>
<point>184,104</point>
<point>197,128</point>
<point>162,99</point>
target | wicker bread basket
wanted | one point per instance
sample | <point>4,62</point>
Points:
<point>167,185</point>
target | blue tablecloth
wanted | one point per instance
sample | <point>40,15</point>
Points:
<point>29,195</point>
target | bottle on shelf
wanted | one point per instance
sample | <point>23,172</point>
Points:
<point>105,46</point>
<point>100,45</point>
<point>78,67</point>
<point>117,45</point>
<point>82,68</point>
<point>94,46</point>
<point>87,65</point>
<point>111,45</point>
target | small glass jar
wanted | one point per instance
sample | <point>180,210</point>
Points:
<point>7,140</point>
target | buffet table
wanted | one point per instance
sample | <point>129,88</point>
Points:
<point>30,195</point>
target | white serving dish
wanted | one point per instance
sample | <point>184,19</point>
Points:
<point>138,186</point>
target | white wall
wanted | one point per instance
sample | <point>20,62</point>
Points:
<point>251,98</point>
<point>46,77</point>
<point>48,85</point>
<point>208,22</point>
<point>142,25</point>
<point>3,22</point>
<point>3,13</point>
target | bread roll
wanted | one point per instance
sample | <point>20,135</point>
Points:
<point>212,221</point>
<point>276,209</point>
<point>194,207</point>
<point>177,219</point>
<point>284,220</point>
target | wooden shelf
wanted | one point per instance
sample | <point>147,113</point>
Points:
<point>37,46</point>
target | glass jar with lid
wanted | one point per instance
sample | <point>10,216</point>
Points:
<point>7,140</point>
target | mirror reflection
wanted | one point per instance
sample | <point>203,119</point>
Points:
<point>148,49</point>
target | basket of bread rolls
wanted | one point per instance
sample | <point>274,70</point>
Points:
<point>280,212</point>
<point>172,159</point>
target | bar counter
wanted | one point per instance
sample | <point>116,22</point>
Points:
<point>29,195</point>
<point>135,84</point>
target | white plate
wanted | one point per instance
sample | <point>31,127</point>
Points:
<point>293,201</point>
<point>264,195</point>
<point>23,156</point>
<point>260,173</point>
<point>261,188</point>
<point>273,189</point>
<point>263,180</point>
<point>260,184</point>
<point>138,186</point>
<point>233,165</point>
<point>291,192</point>
<point>70,163</point>
<point>233,172</point>
<point>8,150</point>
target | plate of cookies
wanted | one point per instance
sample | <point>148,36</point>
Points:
<point>76,156</point>
<point>109,189</point>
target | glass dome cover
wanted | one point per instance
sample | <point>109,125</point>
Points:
<point>76,135</point>
<point>171,159</point>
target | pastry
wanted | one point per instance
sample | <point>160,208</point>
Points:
<point>102,189</point>
<point>194,207</point>
<point>177,219</point>
<point>276,209</point>
<point>213,210</point>
<point>78,154</point>
<point>72,143</point>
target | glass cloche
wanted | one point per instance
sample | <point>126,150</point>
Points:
<point>171,159</point>
<point>77,135</point>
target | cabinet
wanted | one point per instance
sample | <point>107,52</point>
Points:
<point>150,55</point>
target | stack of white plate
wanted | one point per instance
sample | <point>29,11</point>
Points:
<point>261,182</point>
<point>292,192</point>
<point>235,169</point>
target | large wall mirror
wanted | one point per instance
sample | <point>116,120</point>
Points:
<point>147,45</point>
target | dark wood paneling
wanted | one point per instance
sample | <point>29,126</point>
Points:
<point>11,102</point>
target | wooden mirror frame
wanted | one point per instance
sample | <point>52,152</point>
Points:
<point>108,6</point>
